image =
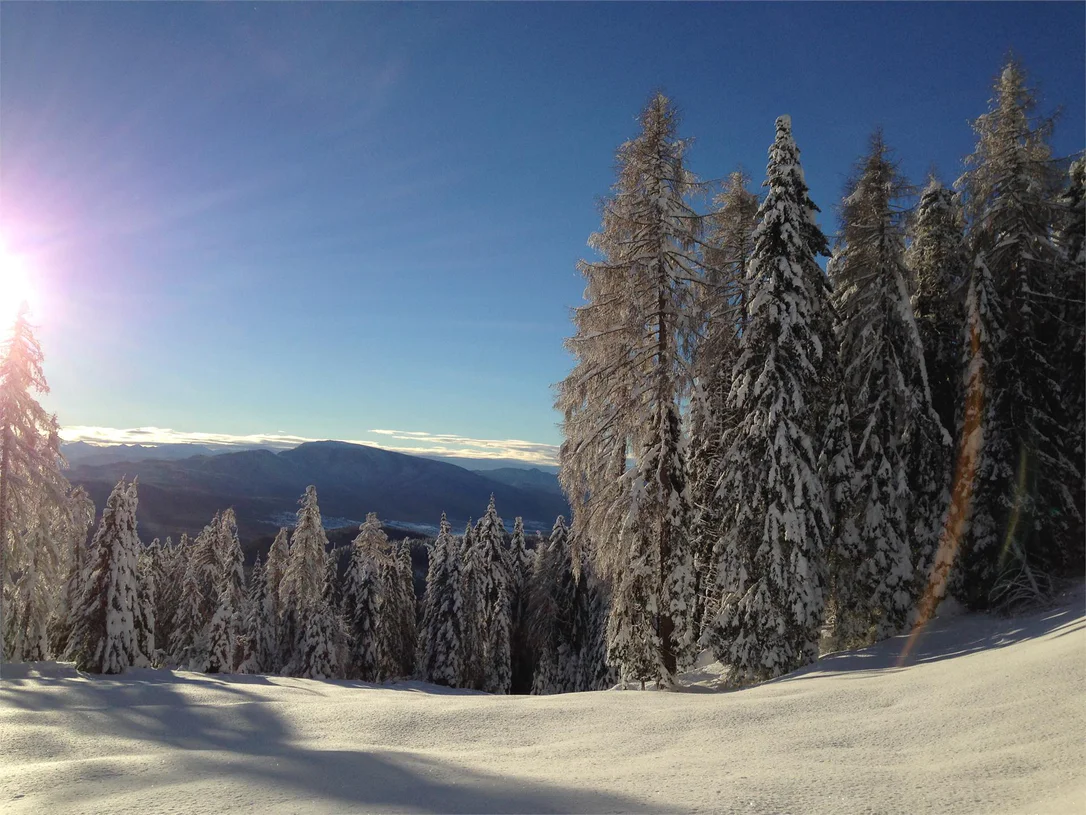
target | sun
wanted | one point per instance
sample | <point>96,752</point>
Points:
<point>15,287</point>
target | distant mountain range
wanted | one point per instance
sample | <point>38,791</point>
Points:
<point>179,491</point>
<point>79,452</point>
<point>526,479</point>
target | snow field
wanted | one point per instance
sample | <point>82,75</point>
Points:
<point>987,715</point>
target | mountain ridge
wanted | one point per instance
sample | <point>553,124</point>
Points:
<point>181,495</point>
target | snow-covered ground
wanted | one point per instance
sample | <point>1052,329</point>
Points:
<point>986,715</point>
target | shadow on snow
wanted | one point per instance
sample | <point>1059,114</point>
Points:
<point>242,739</point>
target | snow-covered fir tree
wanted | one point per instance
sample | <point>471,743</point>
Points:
<point>1071,320</point>
<point>568,613</point>
<point>228,619</point>
<point>105,635</point>
<point>33,595</point>
<point>552,602</point>
<point>719,308</point>
<point>435,565</point>
<point>1023,507</point>
<point>901,449</point>
<point>224,633</point>
<point>520,559</point>
<point>471,579</point>
<point>273,578</point>
<point>79,518</point>
<point>596,673</point>
<point>168,574</point>
<point>145,607</point>
<point>490,601</point>
<point>844,549</point>
<point>259,643</point>
<point>623,397</point>
<point>938,261</point>
<point>441,640</point>
<point>230,558</point>
<point>362,598</point>
<point>409,608</point>
<point>319,647</point>
<point>188,636</point>
<point>204,554</point>
<point>32,492</point>
<point>394,604</point>
<point>304,582</point>
<point>770,559</point>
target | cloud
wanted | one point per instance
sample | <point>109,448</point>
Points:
<point>165,435</point>
<point>415,442</point>
<point>463,446</point>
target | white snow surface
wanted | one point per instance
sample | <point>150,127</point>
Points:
<point>985,715</point>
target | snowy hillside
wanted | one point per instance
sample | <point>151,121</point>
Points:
<point>986,715</point>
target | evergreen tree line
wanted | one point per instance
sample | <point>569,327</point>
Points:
<point>509,618</point>
<point>774,461</point>
<point>497,614</point>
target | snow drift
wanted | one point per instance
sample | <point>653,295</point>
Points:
<point>983,715</point>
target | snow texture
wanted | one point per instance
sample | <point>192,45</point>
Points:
<point>986,715</point>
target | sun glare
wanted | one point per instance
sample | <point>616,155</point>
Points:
<point>15,288</point>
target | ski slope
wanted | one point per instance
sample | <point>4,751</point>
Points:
<point>986,715</point>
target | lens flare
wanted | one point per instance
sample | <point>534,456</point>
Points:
<point>961,499</point>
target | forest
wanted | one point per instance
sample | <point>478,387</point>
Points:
<point>765,458</point>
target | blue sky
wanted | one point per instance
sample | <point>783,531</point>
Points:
<point>322,220</point>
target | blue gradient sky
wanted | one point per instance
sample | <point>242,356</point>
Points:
<point>324,219</point>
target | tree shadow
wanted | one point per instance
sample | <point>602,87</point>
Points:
<point>241,745</point>
<point>946,638</point>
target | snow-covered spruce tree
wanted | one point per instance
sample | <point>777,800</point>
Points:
<point>188,636</point>
<point>596,672</point>
<point>520,559</point>
<point>278,556</point>
<point>409,608</point>
<point>34,593</point>
<point>105,635</point>
<point>168,574</point>
<point>770,558</point>
<point>321,633</point>
<point>228,619</point>
<point>938,261</point>
<point>1022,503</point>
<point>304,580</point>
<point>471,661</point>
<point>568,620</point>
<point>441,657</point>
<point>145,606</point>
<point>435,576</point>
<point>847,626</point>
<point>79,517</point>
<point>623,397</point>
<point>258,643</point>
<point>224,632</point>
<point>719,305</point>
<point>230,558</point>
<point>204,554</point>
<point>552,609</point>
<point>1071,366</point>
<point>901,450</point>
<point>31,485</point>
<point>152,559</point>
<point>390,614</point>
<point>362,599</point>
<point>491,624</point>
<point>547,677</point>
